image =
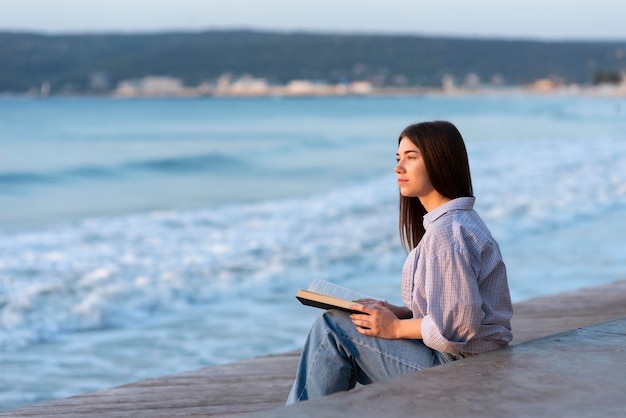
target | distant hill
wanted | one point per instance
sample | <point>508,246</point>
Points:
<point>79,63</point>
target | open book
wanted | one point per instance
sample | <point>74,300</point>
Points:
<point>326,295</point>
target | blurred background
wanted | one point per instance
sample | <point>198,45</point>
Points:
<point>171,174</point>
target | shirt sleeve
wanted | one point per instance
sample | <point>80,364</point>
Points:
<point>454,304</point>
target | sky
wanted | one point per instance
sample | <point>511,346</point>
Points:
<point>527,19</point>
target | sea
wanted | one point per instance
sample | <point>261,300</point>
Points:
<point>146,237</point>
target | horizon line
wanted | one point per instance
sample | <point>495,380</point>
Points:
<point>313,32</point>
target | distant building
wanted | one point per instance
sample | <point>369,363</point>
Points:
<point>543,85</point>
<point>447,82</point>
<point>245,86</point>
<point>360,87</point>
<point>151,86</point>
<point>300,87</point>
<point>472,81</point>
<point>44,91</point>
<point>312,88</point>
<point>161,86</point>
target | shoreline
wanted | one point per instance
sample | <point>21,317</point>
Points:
<point>278,92</point>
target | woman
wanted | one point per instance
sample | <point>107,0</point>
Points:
<point>454,284</point>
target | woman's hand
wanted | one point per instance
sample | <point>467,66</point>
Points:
<point>377,319</point>
<point>383,320</point>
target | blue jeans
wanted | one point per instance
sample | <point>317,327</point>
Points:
<point>336,357</point>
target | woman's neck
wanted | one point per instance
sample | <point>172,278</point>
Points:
<point>433,200</point>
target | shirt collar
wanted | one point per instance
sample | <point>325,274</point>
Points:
<point>460,203</point>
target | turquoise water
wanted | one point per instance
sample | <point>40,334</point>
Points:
<point>145,237</point>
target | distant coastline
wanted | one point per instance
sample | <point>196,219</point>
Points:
<point>248,63</point>
<point>168,87</point>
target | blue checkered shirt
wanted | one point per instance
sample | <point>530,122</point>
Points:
<point>456,281</point>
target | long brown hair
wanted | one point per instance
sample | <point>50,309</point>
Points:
<point>447,165</point>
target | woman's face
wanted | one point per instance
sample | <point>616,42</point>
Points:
<point>413,179</point>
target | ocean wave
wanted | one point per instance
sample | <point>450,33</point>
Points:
<point>550,184</point>
<point>19,178</point>
<point>105,272</point>
<point>185,164</point>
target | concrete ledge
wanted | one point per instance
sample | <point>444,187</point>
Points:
<point>262,383</point>
<point>580,373</point>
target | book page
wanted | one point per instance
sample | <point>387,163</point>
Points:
<point>331,289</point>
